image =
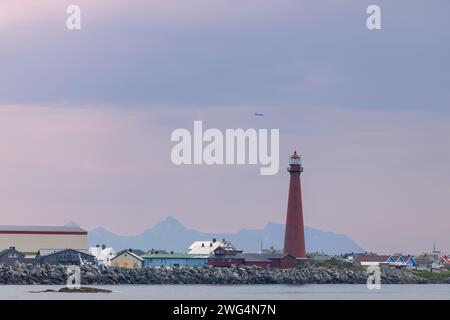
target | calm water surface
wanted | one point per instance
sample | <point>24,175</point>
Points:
<point>223,292</point>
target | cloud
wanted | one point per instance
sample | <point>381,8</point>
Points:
<point>220,52</point>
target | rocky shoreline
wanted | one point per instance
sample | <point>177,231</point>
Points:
<point>23,274</point>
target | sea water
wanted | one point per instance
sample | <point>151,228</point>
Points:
<point>224,292</point>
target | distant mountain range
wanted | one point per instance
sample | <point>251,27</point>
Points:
<point>171,235</point>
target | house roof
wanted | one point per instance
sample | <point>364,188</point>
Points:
<point>7,229</point>
<point>226,256</point>
<point>174,256</point>
<point>425,258</point>
<point>137,252</point>
<point>396,257</point>
<point>3,252</point>
<point>423,261</point>
<point>49,252</point>
<point>406,258</point>
<point>276,255</point>
<point>370,258</point>
<point>208,247</point>
<point>129,253</point>
<point>157,251</point>
<point>253,257</point>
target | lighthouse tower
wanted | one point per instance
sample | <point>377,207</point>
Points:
<point>294,237</point>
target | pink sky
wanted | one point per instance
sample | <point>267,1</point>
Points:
<point>111,168</point>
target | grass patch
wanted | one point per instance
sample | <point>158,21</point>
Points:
<point>432,275</point>
<point>332,263</point>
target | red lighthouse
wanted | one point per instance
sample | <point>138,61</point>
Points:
<point>294,237</point>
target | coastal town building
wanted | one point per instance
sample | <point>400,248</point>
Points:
<point>319,256</point>
<point>445,259</point>
<point>226,260</point>
<point>137,252</point>
<point>429,262</point>
<point>445,262</point>
<point>255,260</point>
<point>396,260</point>
<point>372,259</point>
<point>103,255</point>
<point>127,259</point>
<point>64,257</point>
<point>174,259</point>
<point>157,251</point>
<point>273,260</point>
<point>281,261</point>
<point>208,247</point>
<point>265,261</point>
<point>11,256</point>
<point>402,260</point>
<point>29,239</point>
<point>272,249</point>
<point>410,262</point>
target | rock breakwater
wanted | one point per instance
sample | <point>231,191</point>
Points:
<point>22,274</point>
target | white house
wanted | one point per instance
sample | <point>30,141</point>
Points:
<point>103,255</point>
<point>208,247</point>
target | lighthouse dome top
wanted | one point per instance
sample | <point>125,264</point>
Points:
<point>295,158</point>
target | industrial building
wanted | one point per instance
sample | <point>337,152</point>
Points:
<point>30,239</point>
<point>174,259</point>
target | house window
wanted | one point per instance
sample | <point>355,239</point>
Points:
<point>13,255</point>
